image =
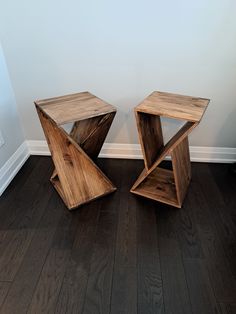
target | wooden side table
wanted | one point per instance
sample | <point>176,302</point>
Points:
<point>76,177</point>
<point>167,186</point>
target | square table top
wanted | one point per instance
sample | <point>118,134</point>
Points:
<point>74,107</point>
<point>174,106</point>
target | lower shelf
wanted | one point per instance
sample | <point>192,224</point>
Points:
<point>159,186</point>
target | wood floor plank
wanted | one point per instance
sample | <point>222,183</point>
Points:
<point>150,288</point>
<point>176,294</point>
<point>227,308</point>
<point>200,290</point>
<point>226,184</point>
<point>72,294</point>
<point>66,230</point>
<point>50,281</point>
<point>19,180</point>
<point>21,291</point>
<point>8,201</point>
<point>150,291</point>
<point>187,232</point>
<point>97,299</point>
<point>126,245</point>
<point>122,253</point>
<point>4,288</point>
<point>220,205</point>
<point>99,286</point>
<point>223,281</point>
<point>212,233</point>
<point>147,242</point>
<point>71,297</point>
<point>124,291</point>
<point>19,233</point>
<point>12,210</point>
<point>126,242</point>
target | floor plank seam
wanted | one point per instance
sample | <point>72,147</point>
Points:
<point>114,259</point>
<point>89,271</point>
<point>46,255</point>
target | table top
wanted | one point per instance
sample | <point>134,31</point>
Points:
<point>174,106</point>
<point>74,107</point>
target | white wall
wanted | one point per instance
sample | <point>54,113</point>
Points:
<point>9,117</point>
<point>121,51</point>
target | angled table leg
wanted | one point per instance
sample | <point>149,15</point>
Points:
<point>90,134</point>
<point>181,168</point>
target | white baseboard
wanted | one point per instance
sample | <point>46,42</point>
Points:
<point>109,150</point>
<point>12,166</point>
<point>38,148</point>
<point>133,151</point>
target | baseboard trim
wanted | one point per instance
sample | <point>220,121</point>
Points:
<point>133,151</point>
<point>39,148</point>
<point>109,150</point>
<point>12,166</point>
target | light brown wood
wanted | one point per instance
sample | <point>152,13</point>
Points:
<point>181,168</point>
<point>76,177</point>
<point>75,107</point>
<point>154,182</point>
<point>150,137</point>
<point>174,106</point>
<point>90,134</point>
<point>159,186</point>
<point>173,142</point>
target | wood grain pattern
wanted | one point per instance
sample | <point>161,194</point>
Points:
<point>166,186</point>
<point>228,308</point>
<point>174,106</point>
<point>184,226</point>
<point>19,231</point>
<point>120,252</point>
<point>150,289</point>
<point>126,243</point>
<point>175,287</point>
<point>223,189</point>
<point>25,281</point>
<point>172,143</point>
<point>181,168</point>
<point>147,241</point>
<point>100,281</point>
<point>94,141</point>
<point>74,286</point>
<point>4,287</point>
<point>159,186</point>
<point>150,137</point>
<point>212,230</point>
<point>201,293</point>
<point>90,134</point>
<point>124,296</point>
<point>47,291</point>
<point>76,177</point>
<point>150,295</point>
<point>75,107</point>
<point>99,286</point>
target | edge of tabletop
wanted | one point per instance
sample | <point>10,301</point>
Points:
<point>40,106</point>
<point>137,109</point>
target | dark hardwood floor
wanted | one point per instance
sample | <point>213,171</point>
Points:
<point>121,253</point>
